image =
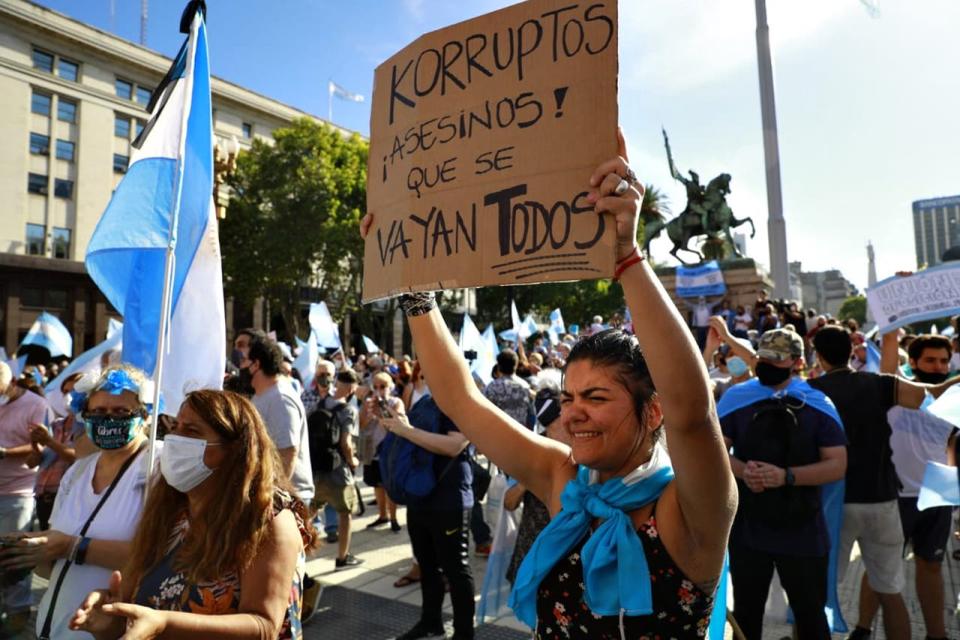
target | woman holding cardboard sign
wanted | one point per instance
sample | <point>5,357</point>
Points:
<point>637,538</point>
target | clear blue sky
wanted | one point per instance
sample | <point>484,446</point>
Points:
<point>868,108</point>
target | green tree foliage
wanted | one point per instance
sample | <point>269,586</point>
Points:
<point>292,220</point>
<point>854,307</point>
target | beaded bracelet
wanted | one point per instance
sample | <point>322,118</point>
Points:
<point>418,304</point>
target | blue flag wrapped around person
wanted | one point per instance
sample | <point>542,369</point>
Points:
<point>752,392</point>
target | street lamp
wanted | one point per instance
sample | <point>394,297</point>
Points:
<point>224,164</point>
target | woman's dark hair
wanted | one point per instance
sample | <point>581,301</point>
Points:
<point>621,352</point>
<point>833,345</point>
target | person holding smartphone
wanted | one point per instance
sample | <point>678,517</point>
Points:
<point>377,406</point>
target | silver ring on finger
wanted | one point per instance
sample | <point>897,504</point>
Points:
<point>621,187</point>
<point>631,176</point>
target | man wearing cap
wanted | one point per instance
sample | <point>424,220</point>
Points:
<point>781,521</point>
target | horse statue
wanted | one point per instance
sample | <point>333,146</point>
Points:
<point>706,214</point>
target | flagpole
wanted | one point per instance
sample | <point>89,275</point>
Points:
<point>166,304</point>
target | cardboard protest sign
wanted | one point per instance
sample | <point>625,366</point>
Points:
<point>483,139</point>
<point>927,295</point>
<point>703,280</point>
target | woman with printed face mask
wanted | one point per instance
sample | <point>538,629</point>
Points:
<point>99,501</point>
<point>220,550</point>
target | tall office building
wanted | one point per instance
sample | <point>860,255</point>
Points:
<point>74,100</point>
<point>936,228</point>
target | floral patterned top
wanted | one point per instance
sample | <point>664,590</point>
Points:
<point>165,588</point>
<point>681,609</point>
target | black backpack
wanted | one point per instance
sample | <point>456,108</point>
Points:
<point>323,434</point>
<point>776,437</point>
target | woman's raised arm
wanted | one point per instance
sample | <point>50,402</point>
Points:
<point>533,460</point>
<point>705,484</point>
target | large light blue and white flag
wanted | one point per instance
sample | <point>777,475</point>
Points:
<point>306,362</point>
<point>165,204</point>
<point>48,332</point>
<point>370,345</point>
<point>324,328</point>
<point>703,280</point>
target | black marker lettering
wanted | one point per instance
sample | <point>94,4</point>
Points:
<point>600,18</point>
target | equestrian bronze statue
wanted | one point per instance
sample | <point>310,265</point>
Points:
<point>706,214</point>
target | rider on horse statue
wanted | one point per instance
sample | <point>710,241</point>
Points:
<point>706,214</point>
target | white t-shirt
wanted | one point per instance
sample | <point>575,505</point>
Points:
<point>916,437</point>
<point>701,314</point>
<point>741,322</point>
<point>116,520</point>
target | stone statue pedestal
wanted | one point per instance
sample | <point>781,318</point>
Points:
<point>743,276</point>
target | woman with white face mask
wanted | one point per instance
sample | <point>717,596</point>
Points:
<point>220,550</point>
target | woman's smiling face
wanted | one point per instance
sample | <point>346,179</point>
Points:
<point>599,414</point>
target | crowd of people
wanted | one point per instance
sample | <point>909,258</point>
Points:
<point>642,454</point>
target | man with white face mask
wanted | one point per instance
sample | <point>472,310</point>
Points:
<point>18,410</point>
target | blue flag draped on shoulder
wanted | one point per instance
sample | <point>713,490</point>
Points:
<point>703,280</point>
<point>48,332</point>
<point>164,205</point>
<point>831,495</point>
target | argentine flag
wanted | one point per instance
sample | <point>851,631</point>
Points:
<point>323,327</point>
<point>165,205</point>
<point>48,332</point>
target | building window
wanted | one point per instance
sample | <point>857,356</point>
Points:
<point>121,127</point>
<point>39,144</point>
<point>66,110</point>
<point>68,70</point>
<point>56,298</point>
<point>40,103</point>
<point>35,239</point>
<point>43,60</point>
<point>65,150</point>
<point>247,130</point>
<point>32,296</point>
<point>61,243</point>
<point>143,95</point>
<point>124,89</point>
<point>37,183</point>
<point>140,124</point>
<point>63,188</point>
<point>120,163</point>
